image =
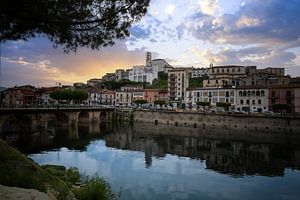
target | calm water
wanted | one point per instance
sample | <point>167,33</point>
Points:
<point>162,162</point>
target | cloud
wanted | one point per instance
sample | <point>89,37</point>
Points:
<point>36,62</point>
<point>170,9</point>
<point>263,22</point>
<point>209,7</point>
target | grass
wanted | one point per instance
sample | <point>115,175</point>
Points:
<point>19,171</point>
<point>96,188</point>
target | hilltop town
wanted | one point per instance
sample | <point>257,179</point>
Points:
<point>158,85</point>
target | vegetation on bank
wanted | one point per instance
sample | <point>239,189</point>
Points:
<point>16,170</point>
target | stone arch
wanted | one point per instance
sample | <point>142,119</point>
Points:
<point>103,116</point>
<point>61,118</point>
<point>83,117</point>
<point>16,124</point>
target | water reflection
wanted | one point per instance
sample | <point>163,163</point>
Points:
<point>236,153</point>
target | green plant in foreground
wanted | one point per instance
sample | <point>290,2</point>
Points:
<point>95,188</point>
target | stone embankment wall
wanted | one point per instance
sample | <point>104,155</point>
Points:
<point>220,121</point>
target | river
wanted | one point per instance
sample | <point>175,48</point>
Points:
<point>161,162</point>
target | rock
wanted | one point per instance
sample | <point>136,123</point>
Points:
<point>15,193</point>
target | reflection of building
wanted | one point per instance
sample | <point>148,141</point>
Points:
<point>224,156</point>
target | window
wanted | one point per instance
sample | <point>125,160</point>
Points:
<point>216,81</point>
<point>273,94</point>
<point>262,93</point>
<point>240,93</point>
<point>222,70</point>
<point>273,101</point>
<point>227,70</point>
<point>253,93</point>
<point>253,102</point>
<point>239,69</point>
<point>248,101</point>
<point>259,101</point>
<point>242,101</point>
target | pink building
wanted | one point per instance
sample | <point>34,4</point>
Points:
<point>151,95</point>
<point>288,94</point>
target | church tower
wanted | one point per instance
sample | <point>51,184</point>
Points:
<point>148,59</point>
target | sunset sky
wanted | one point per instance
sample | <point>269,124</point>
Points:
<point>186,33</point>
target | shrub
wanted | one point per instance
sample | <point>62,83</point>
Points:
<point>95,188</point>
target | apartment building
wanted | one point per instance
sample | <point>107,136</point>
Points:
<point>108,97</point>
<point>252,99</point>
<point>285,94</point>
<point>212,95</point>
<point>178,82</point>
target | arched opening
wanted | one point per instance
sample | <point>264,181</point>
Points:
<point>17,124</point>
<point>103,116</point>
<point>61,118</point>
<point>83,117</point>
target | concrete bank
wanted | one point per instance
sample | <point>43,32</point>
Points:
<point>220,121</point>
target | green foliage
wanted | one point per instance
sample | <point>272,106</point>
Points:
<point>79,95</point>
<point>71,24</point>
<point>225,105</point>
<point>203,103</point>
<point>18,171</point>
<point>160,102</point>
<point>69,176</point>
<point>162,82</point>
<point>68,95</point>
<point>140,101</point>
<point>197,81</point>
<point>96,188</point>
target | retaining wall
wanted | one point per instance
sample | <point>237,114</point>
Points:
<point>220,121</point>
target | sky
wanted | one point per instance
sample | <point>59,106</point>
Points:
<point>186,33</point>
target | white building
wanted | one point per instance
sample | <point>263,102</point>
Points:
<point>141,74</point>
<point>149,72</point>
<point>199,72</point>
<point>108,97</point>
<point>252,99</point>
<point>123,98</point>
<point>212,95</point>
<point>94,96</point>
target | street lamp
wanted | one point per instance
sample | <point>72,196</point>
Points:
<point>59,84</point>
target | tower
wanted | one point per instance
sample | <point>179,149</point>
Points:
<point>148,59</point>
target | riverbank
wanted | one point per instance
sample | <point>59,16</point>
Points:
<point>21,176</point>
<point>220,121</point>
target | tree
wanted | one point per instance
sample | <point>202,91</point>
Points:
<point>79,95</point>
<point>203,103</point>
<point>224,105</point>
<point>70,23</point>
<point>140,101</point>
